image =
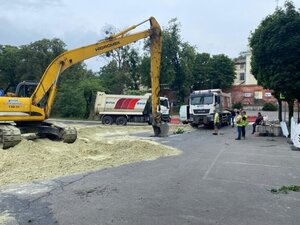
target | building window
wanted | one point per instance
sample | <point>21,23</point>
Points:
<point>242,76</point>
<point>242,66</point>
<point>258,95</point>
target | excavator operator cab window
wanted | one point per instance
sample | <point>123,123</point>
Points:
<point>25,89</point>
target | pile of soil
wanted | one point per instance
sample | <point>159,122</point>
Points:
<point>97,147</point>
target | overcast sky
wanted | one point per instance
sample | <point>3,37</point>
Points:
<point>213,26</point>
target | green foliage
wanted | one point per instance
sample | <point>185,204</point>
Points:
<point>201,70</point>
<point>237,105</point>
<point>27,62</point>
<point>182,68</point>
<point>9,60</point>
<point>275,52</point>
<point>213,72</point>
<point>126,64</point>
<point>222,72</point>
<point>269,107</point>
<point>171,42</point>
<point>36,57</point>
<point>179,131</point>
<point>76,93</point>
<point>113,80</point>
<point>145,71</point>
<point>135,92</point>
<point>285,189</point>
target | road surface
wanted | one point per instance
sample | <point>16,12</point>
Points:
<point>216,180</point>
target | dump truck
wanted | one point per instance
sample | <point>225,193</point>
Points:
<point>121,109</point>
<point>202,104</point>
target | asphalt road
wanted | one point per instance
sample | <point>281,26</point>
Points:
<point>216,180</point>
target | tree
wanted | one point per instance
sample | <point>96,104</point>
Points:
<point>176,61</point>
<point>201,70</point>
<point>170,64</point>
<point>221,72</point>
<point>89,88</point>
<point>27,62</point>
<point>127,61</point>
<point>113,80</point>
<point>36,57</point>
<point>144,69</point>
<point>184,79</point>
<point>9,60</point>
<point>133,71</point>
<point>182,68</point>
<point>76,93</point>
<point>275,53</point>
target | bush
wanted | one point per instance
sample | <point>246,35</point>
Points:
<point>237,105</point>
<point>269,107</point>
<point>175,110</point>
<point>179,131</point>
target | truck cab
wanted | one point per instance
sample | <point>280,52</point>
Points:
<point>164,108</point>
<point>203,103</point>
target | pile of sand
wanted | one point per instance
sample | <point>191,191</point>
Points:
<point>6,218</point>
<point>97,147</point>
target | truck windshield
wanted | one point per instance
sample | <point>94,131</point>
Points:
<point>203,99</point>
<point>164,102</point>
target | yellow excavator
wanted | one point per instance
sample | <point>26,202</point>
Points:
<point>27,110</point>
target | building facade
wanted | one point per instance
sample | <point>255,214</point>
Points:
<point>245,88</point>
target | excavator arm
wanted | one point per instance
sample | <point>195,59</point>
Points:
<point>47,85</point>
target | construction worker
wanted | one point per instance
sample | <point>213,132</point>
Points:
<point>239,124</point>
<point>216,123</point>
<point>244,123</point>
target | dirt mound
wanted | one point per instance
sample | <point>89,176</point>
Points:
<point>97,147</point>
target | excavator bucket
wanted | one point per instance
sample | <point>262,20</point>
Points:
<point>161,130</point>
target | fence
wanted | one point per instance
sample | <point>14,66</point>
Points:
<point>295,133</point>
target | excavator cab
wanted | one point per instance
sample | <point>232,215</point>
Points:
<point>25,89</point>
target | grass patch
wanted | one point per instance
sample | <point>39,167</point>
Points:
<point>285,189</point>
<point>179,131</point>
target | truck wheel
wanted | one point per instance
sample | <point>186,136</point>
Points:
<point>107,120</point>
<point>121,120</point>
<point>194,125</point>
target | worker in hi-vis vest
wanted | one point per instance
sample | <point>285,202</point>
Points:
<point>239,124</point>
<point>244,123</point>
<point>216,123</point>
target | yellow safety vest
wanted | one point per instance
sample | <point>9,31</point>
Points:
<point>239,121</point>
<point>245,122</point>
<point>216,118</point>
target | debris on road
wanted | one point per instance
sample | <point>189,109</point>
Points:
<point>97,147</point>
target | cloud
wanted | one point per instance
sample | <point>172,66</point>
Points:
<point>28,4</point>
<point>215,26</point>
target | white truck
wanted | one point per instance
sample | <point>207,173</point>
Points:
<point>202,104</point>
<point>121,109</point>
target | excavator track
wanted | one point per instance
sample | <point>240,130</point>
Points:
<point>9,136</point>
